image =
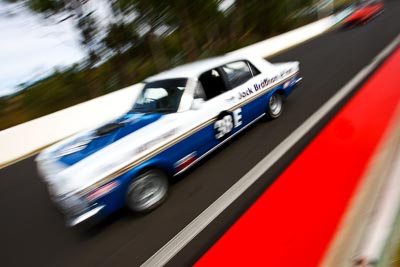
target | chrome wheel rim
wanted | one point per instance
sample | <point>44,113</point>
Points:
<point>146,191</point>
<point>275,104</point>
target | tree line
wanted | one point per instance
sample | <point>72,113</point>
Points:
<point>140,38</point>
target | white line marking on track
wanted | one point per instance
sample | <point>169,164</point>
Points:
<point>179,241</point>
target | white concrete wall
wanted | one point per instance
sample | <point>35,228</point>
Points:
<point>286,40</point>
<point>24,139</point>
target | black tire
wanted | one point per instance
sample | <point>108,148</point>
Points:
<point>147,191</point>
<point>275,106</point>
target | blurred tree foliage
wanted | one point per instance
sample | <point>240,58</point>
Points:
<point>142,38</point>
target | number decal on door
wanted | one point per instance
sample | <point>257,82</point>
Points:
<point>226,122</point>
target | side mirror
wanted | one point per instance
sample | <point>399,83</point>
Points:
<point>197,103</point>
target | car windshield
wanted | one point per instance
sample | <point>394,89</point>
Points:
<point>160,96</point>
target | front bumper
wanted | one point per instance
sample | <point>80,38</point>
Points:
<point>298,81</point>
<point>89,215</point>
<point>77,210</point>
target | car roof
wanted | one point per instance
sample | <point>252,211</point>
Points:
<point>195,69</point>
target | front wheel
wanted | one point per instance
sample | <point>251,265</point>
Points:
<point>275,106</point>
<point>147,191</point>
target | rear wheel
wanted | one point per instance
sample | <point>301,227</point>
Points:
<point>275,106</point>
<point>147,191</point>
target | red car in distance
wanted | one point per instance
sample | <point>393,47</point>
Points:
<point>364,12</point>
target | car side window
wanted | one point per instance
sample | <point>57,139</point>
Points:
<point>199,92</point>
<point>253,69</point>
<point>213,83</point>
<point>239,72</point>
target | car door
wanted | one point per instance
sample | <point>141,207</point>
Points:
<point>222,109</point>
<point>220,101</point>
<point>241,77</point>
<point>225,110</point>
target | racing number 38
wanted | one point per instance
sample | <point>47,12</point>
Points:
<point>226,121</point>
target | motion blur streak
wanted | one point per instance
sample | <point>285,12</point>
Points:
<point>33,233</point>
<point>291,227</point>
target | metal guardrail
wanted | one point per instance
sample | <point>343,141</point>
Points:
<point>381,224</point>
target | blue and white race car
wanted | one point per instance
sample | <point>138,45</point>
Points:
<point>179,117</point>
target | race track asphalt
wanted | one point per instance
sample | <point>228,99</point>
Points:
<point>33,233</point>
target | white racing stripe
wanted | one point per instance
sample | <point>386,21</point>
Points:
<point>179,241</point>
